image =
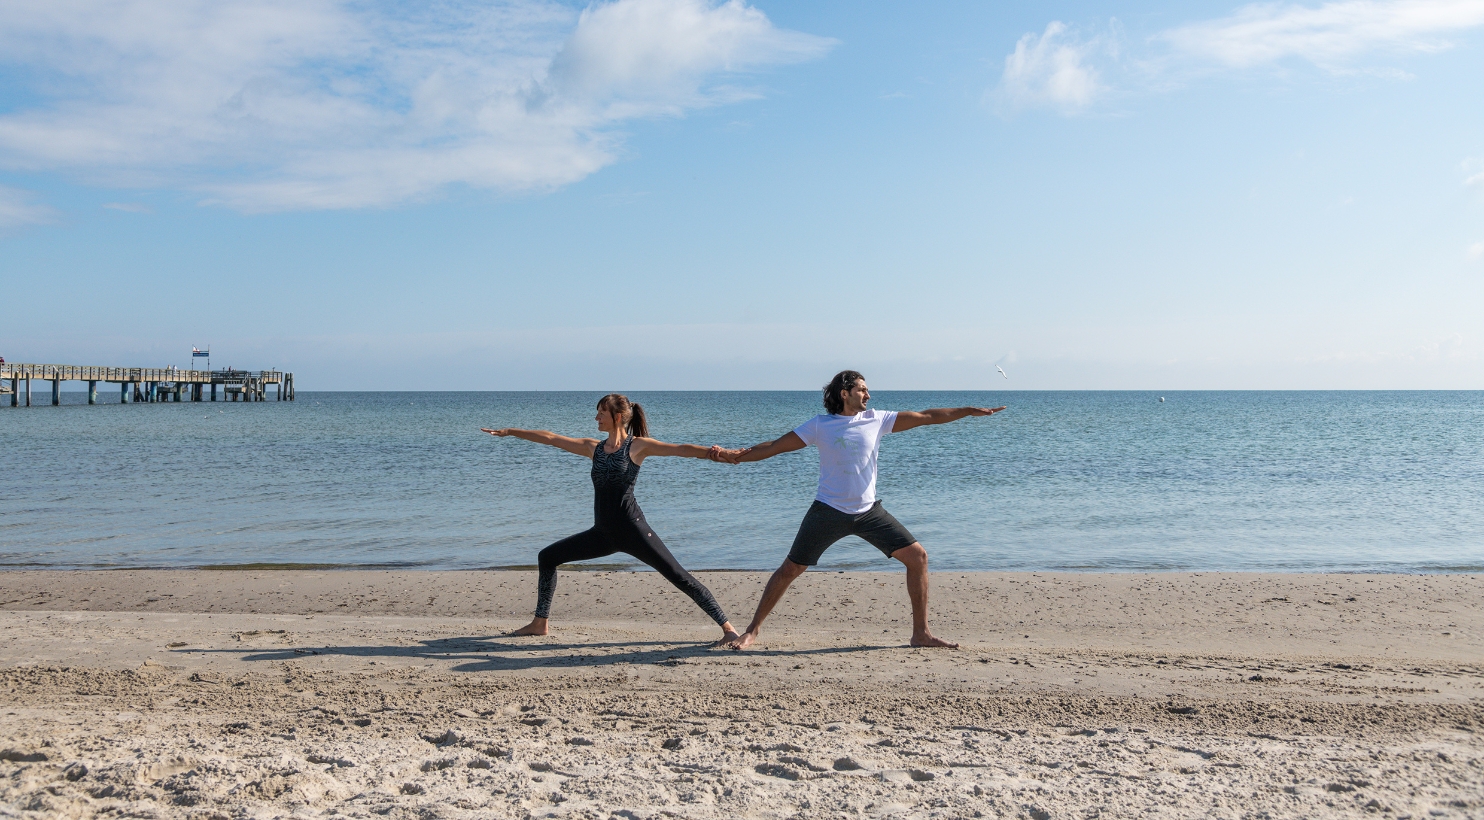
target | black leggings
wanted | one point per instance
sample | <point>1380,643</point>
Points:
<point>631,538</point>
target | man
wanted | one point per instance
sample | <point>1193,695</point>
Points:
<point>848,438</point>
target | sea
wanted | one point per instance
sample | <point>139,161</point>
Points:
<point>1060,481</point>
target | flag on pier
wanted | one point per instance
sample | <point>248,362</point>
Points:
<point>195,351</point>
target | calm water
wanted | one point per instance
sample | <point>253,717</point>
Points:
<point>1063,480</point>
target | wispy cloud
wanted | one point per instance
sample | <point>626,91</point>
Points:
<point>295,104</point>
<point>18,209</point>
<point>1059,69</point>
<point>1330,35</point>
<point>1476,251</point>
<point>1054,69</point>
<point>129,207</point>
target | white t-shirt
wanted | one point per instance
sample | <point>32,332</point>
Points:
<point>847,456</point>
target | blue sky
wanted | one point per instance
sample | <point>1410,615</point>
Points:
<point>681,194</point>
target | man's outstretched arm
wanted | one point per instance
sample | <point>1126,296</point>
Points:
<point>786,443</point>
<point>906,420</point>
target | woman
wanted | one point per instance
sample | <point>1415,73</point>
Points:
<point>620,524</point>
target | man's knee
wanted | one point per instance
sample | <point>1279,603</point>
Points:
<point>912,555</point>
<point>790,570</point>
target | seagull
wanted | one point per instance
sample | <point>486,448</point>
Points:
<point>1003,373</point>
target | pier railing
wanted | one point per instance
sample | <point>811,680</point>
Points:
<point>84,373</point>
<point>150,383</point>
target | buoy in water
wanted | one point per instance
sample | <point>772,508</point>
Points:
<point>1161,398</point>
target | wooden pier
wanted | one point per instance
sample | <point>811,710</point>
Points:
<point>147,384</point>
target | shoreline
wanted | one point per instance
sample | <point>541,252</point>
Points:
<point>397,693</point>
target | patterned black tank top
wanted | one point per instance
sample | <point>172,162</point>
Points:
<point>614,474</point>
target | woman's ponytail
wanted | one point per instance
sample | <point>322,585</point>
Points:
<point>630,414</point>
<point>638,424</point>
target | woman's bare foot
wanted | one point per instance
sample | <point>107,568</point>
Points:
<point>537,626</point>
<point>728,634</point>
<point>743,641</point>
<point>927,639</point>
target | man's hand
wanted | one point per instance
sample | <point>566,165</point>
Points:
<point>502,432</point>
<point>985,411</point>
<point>722,455</point>
<point>729,456</point>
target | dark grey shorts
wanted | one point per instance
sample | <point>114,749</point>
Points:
<point>824,525</point>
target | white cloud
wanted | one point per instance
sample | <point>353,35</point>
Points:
<point>1476,179</point>
<point>1330,35</point>
<point>1448,347</point>
<point>1476,251</point>
<point>1051,69</point>
<point>17,210</point>
<point>640,56</point>
<point>129,207</point>
<point>288,104</point>
<point>1060,70</point>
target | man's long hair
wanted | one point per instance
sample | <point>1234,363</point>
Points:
<point>844,380</point>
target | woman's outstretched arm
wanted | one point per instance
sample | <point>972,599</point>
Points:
<point>576,446</point>
<point>643,448</point>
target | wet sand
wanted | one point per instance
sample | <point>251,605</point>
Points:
<point>202,694</point>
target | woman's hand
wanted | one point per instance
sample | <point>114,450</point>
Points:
<point>722,455</point>
<point>725,456</point>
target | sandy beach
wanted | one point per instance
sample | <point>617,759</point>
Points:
<point>217,694</point>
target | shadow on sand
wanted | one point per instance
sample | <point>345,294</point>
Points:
<point>501,653</point>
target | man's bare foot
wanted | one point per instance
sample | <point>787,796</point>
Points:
<point>742,641</point>
<point>930,640</point>
<point>536,627</point>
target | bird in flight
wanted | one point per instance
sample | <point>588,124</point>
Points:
<point>1000,361</point>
